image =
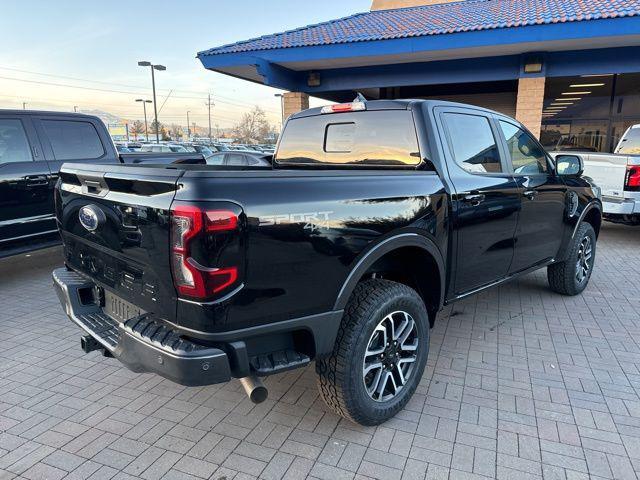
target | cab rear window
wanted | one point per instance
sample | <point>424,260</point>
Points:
<point>369,138</point>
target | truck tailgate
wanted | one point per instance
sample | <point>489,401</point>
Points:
<point>608,171</point>
<point>115,223</point>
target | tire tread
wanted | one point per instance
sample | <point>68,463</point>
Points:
<point>561,275</point>
<point>333,383</point>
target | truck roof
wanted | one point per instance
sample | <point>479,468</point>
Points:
<point>401,104</point>
<point>45,113</point>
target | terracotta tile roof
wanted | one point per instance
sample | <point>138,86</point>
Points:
<point>463,16</point>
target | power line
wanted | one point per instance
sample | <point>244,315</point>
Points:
<point>221,99</point>
<point>111,105</point>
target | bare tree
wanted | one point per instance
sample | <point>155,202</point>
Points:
<point>164,135</point>
<point>175,131</point>
<point>136,128</point>
<point>253,128</point>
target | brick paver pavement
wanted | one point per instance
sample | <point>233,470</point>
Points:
<point>521,383</point>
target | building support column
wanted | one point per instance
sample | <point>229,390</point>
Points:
<point>295,102</point>
<point>530,102</point>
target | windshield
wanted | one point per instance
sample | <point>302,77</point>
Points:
<point>630,143</point>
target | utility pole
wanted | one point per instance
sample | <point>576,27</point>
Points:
<point>188,126</point>
<point>209,104</point>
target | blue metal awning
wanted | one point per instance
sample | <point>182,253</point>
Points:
<point>447,43</point>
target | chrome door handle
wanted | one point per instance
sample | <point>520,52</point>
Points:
<point>530,194</point>
<point>473,199</point>
<point>36,180</point>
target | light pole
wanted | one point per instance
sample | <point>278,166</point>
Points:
<point>144,106</point>
<point>188,126</point>
<point>281,106</point>
<point>160,68</point>
<point>209,104</point>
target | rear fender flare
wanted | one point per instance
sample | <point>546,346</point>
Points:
<point>378,251</point>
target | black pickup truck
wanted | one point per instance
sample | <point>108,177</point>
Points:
<point>33,146</point>
<point>373,216</point>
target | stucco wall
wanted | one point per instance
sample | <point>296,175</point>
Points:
<point>389,4</point>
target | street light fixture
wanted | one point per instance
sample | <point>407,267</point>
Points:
<point>144,106</point>
<point>160,68</point>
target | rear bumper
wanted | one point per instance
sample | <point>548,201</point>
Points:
<point>629,205</point>
<point>141,343</point>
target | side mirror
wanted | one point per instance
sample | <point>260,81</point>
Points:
<point>569,165</point>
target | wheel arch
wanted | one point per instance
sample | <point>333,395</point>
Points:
<point>592,214</point>
<point>422,251</point>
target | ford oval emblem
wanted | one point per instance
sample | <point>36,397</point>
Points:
<point>91,217</point>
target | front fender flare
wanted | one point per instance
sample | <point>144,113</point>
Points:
<point>378,251</point>
<point>591,205</point>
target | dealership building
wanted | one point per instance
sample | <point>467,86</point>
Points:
<point>568,69</point>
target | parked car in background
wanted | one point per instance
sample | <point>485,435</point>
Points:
<point>33,147</point>
<point>163,148</point>
<point>617,175</point>
<point>629,143</point>
<point>373,216</point>
<point>123,149</point>
<point>205,150</point>
<point>240,159</point>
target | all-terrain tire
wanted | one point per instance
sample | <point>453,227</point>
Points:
<point>562,276</point>
<point>340,376</point>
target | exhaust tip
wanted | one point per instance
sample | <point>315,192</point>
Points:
<point>255,389</point>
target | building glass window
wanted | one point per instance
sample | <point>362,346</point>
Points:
<point>589,113</point>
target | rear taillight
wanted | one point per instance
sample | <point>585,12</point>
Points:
<point>190,223</point>
<point>632,179</point>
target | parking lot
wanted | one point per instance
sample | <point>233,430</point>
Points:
<point>521,383</point>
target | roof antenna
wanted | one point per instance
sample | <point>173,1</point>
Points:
<point>360,98</point>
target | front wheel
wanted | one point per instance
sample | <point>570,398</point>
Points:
<point>380,353</point>
<point>572,276</point>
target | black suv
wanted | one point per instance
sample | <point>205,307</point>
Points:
<point>33,146</point>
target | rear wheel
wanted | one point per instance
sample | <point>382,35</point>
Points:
<point>380,353</point>
<point>572,276</point>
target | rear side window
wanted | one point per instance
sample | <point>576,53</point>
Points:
<point>630,143</point>
<point>73,140</point>
<point>370,138</point>
<point>237,159</point>
<point>14,146</point>
<point>474,146</point>
<point>215,159</point>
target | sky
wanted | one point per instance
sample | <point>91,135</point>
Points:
<point>64,53</point>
